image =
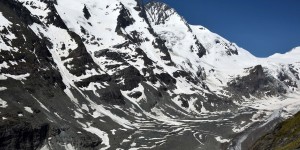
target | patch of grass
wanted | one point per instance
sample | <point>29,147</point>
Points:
<point>293,145</point>
<point>285,136</point>
<point>290,127</point>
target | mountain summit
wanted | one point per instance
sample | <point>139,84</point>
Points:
<point>116,74</point>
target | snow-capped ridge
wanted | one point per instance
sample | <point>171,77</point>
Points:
<point>292,56</point>
<point>294,51</point>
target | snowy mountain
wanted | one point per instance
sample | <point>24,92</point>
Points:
<point>118,74</point>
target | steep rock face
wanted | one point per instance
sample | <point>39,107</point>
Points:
<point>116,74</point>
<point>159,12</point>
<point>180,39</point>
<point>34,90</point>
<point>21,135</point>
<point>258,83</point>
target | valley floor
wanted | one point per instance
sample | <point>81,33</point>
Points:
<point>237,129</point>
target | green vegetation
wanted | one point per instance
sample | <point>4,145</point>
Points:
<point>286,136</point>
<point>293,145</point>
<point>289,133</point>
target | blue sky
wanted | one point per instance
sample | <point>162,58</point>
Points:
<point>263,27</point>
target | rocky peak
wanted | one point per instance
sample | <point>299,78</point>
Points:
<point>159,12</point>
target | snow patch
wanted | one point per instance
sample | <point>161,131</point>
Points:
<point>16,77</point>
<point>28,109</point>
<point>101,134</point>
<point>4,65</point>
<point>3,20</point>
<point>3,104</point>
<point>219,139</point>
<point>3,88</point>
<point>45,147</point>
<point>78,115</point>
<point>69,146</point>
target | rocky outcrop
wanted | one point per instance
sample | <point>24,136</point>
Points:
<point>258,83</point>
<point>22,135</point>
